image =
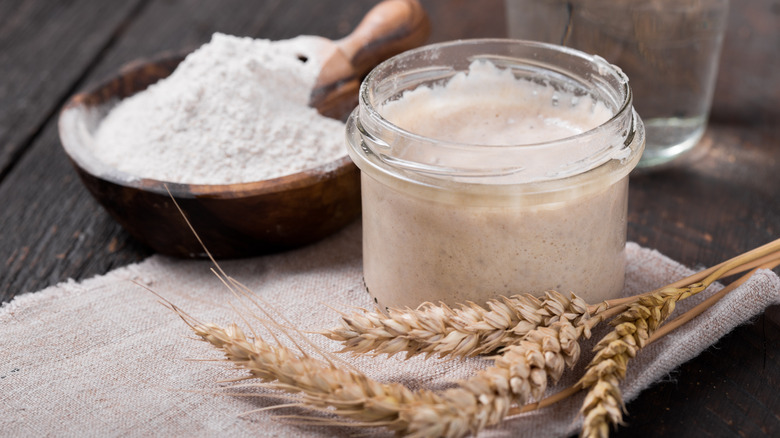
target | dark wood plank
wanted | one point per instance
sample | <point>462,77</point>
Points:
<point>747,88</point>
<point>721,201</point>
<point>45,47</point>
<point>197,21</point>
<point>52,229</point>
<point>729,390</point>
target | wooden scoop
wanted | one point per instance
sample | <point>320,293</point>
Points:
<point>391,27</point>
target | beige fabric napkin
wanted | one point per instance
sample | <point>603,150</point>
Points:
<point>104,358</point>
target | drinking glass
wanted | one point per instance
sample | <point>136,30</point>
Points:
<point>668,48</point>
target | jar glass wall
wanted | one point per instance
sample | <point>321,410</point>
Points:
<point>449,218</point>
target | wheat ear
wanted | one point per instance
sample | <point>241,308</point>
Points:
<point>519,374</point>
<point>323,386</point>
<point>467,330</point>
<point>470,329</point>
<point>603,405</point>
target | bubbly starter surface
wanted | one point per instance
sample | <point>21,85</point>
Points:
<point>489,106</point>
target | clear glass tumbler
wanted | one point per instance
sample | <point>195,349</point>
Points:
<point>669,48</point>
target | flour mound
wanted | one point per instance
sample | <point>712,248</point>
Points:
<point>235,110</point>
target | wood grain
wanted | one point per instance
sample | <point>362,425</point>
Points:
<point>749,72</point>
<point>711,206</point>
<point>36,76</point>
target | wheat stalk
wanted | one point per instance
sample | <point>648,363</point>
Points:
<point>478,402</point>
<point>765,263</point>
<point>519,374</point>
<point>538,338</point>
<point>324,386</point>
<point>603,405</point>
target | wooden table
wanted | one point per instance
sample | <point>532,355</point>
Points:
<point>721,202</point>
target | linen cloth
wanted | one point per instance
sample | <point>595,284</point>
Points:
<point>104,358</point>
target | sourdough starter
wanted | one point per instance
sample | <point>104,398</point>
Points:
<point>434,244</point>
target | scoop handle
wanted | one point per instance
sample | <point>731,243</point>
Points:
<point>391,27</point>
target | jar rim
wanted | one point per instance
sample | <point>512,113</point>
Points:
<point>625,106</point>
<point>598,78</point>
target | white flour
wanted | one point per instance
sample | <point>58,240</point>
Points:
<point>235,110</point>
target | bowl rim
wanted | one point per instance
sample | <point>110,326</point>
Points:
<point>71,121</point>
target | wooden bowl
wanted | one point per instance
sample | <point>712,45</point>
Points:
<point>233,220</point>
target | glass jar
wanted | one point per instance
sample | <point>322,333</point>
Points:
<point>449,218</point>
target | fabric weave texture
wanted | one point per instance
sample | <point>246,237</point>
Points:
<point>103,357</point>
